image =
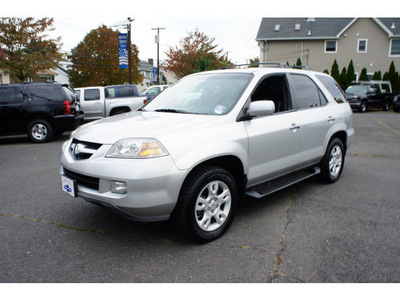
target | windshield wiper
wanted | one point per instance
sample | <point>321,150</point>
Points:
<point>171,110</point>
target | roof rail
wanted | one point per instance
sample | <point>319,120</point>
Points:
<point>276,65</point>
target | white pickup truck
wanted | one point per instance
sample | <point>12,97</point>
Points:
<point>104,101</point>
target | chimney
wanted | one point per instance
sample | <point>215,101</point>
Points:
<point>151,61</point>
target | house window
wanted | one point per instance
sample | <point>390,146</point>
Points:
<point>297,27</point>
<point>277,27</point>
<point>330,46</point>
<point>395,48</point>
<point>362,46</point>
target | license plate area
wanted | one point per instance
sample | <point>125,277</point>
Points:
<point>69,186</point>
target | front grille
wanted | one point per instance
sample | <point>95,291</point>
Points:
<point>83,150</point>
<point>86,181</point>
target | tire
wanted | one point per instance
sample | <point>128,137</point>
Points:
<point>363,107</point>
<point>39,131</point>
<point>333,162</point>
<point>385,106</point>
<point>207,204</point>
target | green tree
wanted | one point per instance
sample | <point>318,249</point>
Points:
<point>343,79</point>
<point>351,76</point>
<point>393,77</point>
<point>363,75</point>
<point>95,60</point>
<point>377,76</point>
<point>335,70</point>
<point>26,49</point>
<point>299,63</point>
<point>196,52</point>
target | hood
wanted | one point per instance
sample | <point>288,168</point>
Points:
<point>140,124</point>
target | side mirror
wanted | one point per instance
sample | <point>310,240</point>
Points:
<point>261,108</point>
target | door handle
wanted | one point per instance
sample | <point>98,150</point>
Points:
<point>331,119</point>
<point>294,127</point>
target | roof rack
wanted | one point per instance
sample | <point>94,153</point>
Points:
<point>370,82</point>
<point>276,65</point>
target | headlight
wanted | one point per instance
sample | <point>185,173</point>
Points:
<point>136,148</point>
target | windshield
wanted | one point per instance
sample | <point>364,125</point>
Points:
<point>209,94</point>
<point>357,89</point>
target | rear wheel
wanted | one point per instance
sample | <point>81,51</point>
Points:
<point>40,131</point>
<point>333,162</point>
<point>385,106</point>
<point>207,204</point>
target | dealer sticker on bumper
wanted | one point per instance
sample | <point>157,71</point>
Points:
<point>68,186</point>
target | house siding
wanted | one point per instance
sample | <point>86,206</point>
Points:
<point>312,51</point>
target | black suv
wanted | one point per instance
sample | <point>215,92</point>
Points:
<point>40,110</point>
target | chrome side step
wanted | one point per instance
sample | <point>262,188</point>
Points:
<point>270,187</point>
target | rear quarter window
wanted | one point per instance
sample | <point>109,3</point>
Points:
<point>333,88</point>
<point>45,93</point>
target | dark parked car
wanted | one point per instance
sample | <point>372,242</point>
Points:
<point>396,103</point>
<point>365,94</point>
<point>40,110</point>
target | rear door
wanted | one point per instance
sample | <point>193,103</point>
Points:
<point>314,117</point>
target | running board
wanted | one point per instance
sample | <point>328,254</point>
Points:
<point>269,187</point>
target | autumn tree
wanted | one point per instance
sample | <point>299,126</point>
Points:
<point>95,60</point>
<point>196,52</point>
<point>26,49</point>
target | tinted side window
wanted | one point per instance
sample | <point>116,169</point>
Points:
<point>307,93</point>
<point>92,94</point>
<point>385,88</point>
<point>126,91</point>
<point>10,95</point>
<point>45,92</point>
<point>333,88</point>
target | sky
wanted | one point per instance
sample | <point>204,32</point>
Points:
<point>233,24</point>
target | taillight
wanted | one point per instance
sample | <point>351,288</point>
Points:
<point>67,107</point>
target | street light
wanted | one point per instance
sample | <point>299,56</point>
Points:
<point>127,24</point>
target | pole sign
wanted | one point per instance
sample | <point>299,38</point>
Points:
<point>123,50</point>
<point>154,74</point>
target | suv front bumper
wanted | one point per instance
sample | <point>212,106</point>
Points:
<point>153,185</point>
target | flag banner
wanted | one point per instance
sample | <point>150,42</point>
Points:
<point>123,50</point>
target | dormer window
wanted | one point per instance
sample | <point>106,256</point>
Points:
<point>277,27</point>
<point>297,27</point>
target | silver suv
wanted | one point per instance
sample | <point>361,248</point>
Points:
<point>208,141</point>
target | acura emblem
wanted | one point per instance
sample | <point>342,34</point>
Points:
<point>77,148</point>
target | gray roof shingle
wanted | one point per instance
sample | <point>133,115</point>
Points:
<point>319,28</point>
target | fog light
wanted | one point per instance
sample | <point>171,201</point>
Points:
<point>118,187</point>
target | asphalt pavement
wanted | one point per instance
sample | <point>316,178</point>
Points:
<point>347,232</point>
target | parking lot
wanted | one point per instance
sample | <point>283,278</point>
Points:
<point>311,232</point>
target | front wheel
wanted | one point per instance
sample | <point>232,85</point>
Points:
<point>333,162</point>
<point>207,204</point>
<point>363,107</point>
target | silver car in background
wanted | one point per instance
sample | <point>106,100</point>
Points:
<point>208,141</point>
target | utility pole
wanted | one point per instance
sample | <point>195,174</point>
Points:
<point>158,52</point>
<point>129,50</point>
